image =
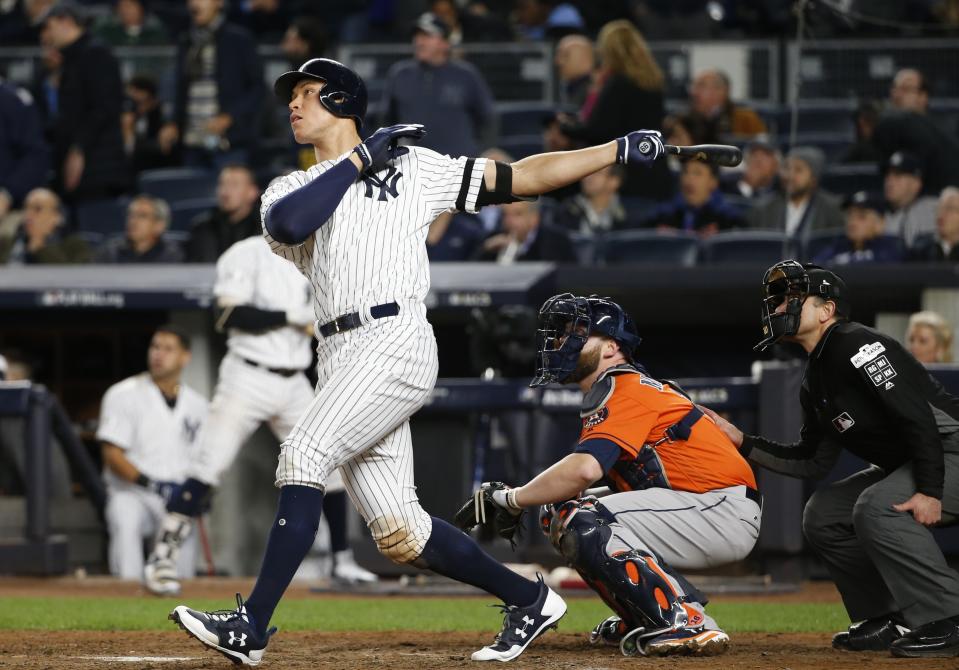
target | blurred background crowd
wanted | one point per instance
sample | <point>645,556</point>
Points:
<point>143,131</point>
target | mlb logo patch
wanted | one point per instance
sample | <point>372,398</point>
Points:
<point>880,371</point>
<point>843,422</point>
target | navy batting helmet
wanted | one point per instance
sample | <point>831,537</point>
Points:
<point>344,94</point>
<point>565,323</point>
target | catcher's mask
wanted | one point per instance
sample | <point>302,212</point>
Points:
<point>566,322</point>
<point>791,282</point>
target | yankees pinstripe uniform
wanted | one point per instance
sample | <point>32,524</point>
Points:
<point>160,441</point>
<point>371,253</point>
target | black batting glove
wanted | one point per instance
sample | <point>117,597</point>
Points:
<point>380,147</point>
<point>640,147</point>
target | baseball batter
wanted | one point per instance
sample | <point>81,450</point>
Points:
<point>355,225</point>
<point>149,428</point>
<point>266,307</point>
<point>682,496</point>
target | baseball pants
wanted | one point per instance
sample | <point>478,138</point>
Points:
<point>133,515</point>
<point>884,561</point>
<point>371,380</point>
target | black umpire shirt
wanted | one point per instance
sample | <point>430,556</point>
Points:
<point>864,392</point>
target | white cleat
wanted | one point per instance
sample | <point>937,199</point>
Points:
<point>160,578</point>
<point>346,570</point>
<point>522,625</point>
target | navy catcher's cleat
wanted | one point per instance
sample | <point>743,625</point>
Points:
<point>522,625</point>
<point>228,631</point>
<point>609,631</point>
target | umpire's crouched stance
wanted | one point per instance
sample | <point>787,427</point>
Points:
<point>863,391</point>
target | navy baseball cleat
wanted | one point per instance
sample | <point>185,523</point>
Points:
<point>228,631</point>
<point>522,625</point>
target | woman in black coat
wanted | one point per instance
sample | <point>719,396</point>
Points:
<point>627,95</point>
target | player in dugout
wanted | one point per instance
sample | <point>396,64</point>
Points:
<point>681,497</point>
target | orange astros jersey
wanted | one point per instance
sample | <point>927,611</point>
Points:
<point>633,411</point>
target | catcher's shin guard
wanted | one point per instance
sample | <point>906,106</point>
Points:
<point>633,583</point>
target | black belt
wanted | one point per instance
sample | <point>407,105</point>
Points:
<point>755,496</point>
<point>283,372</point>
<point>350,321</point>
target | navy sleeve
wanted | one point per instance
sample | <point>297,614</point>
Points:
<point>604,451</point>
<point>296,216</point>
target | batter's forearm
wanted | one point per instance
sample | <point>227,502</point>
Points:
<point>543,173</point>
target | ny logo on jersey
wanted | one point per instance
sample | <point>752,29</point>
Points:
<point>190,429</point>
<point>387,185</point>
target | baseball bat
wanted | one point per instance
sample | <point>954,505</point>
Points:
<point>717,154</point>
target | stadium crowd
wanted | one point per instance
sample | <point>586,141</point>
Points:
<point>98,164</point>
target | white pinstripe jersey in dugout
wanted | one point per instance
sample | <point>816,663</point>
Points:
<point>372,250</point>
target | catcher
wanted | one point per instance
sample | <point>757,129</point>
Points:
<point>681,496</point>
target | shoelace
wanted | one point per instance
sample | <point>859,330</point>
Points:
<point>229,615</point>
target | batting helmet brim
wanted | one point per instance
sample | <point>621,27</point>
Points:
<point>286,82</point>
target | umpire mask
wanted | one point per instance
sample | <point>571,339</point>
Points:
<point>566,322</point>
<point>791,282</point>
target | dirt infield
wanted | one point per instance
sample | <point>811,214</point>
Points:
<point>79,650</point>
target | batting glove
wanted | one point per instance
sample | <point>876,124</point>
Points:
<point>640,147</point>
<point>380,147</point>
<point>165,490</point>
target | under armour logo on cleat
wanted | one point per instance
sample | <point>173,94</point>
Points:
<point>527,622</point>
<point>239,641</point>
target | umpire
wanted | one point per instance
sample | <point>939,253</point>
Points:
<point>864,392</point>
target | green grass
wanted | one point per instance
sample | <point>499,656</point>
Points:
<point>425,614</point>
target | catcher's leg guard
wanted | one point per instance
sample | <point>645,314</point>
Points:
<point>633,583</point>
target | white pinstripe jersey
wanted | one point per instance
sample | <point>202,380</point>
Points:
<point>372,250</point>
<point>248,274</point>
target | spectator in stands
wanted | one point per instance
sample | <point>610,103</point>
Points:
<point>712,115</point>
<point>219,89</point>
<point>304,39</point>
<point>910,214</point>
<point>802,207</point>
<point>141,121</point>
<point>454,237</point>
<point>628,94</point>
<point>40,239</point>
<point>699,206</point>
<point>24,155</point>
<point>147,220</point>
<point>523,238</point>
<point>907,127</point>
<point>929,338</point>
<point>449,97</point>
<point>235,217</point>
<point>268,20</point>
<point>597,209</point>
<point>863,241</point>
<point>760,175</point>
<point>87,141</point>
<point>575,61</point>
<point>866,117</point>
<point>539,20</point>
<point>45,88</point>
<point>470,24</point>
<point>944,245</point>
<point>130,25</point>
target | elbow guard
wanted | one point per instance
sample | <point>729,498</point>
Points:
<point>502,192</point>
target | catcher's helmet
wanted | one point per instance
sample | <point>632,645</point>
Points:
<point>344,94</point>
<point>565,323</point>
<point>791,282</point>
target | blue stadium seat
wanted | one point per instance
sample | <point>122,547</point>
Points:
<point>585,246</point>
<point>182,212</point>
<point>521,146</point>
<point>648,246</point>
<point>91,238</point>
<point>637,207</point>
<point>102,216</point>
<point>523,118</point>
<point>848,179</point>
<point>821,240</point>
<point>745,246</point>
<point>174,184</point>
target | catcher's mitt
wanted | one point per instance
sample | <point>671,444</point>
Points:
<point>481,510</point>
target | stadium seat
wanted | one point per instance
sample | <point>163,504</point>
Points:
<point>648,246</point>
<point>637,208</point>
<point>585,246</point>
<point>847,179</point>
<point>523,118</point>
<point>821,240</point>
<point>521,146</point>
<point>745,246</point>
<point>102,216</point>
<point>174,184</point>
<point>182,212</point>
